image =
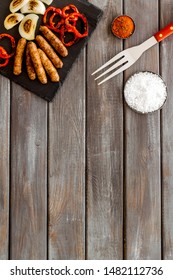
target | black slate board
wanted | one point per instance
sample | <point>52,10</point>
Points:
<point>48,91</point>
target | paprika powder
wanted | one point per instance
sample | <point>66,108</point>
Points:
<point>123,26</point>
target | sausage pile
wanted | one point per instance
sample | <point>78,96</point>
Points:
<point>41,57</point>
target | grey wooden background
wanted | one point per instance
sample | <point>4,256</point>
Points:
<point>84,176</point>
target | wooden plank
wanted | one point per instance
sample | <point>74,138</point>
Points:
<point>4,165</point>
<point>104,145</point>
<point>28,236</point>
<point>167,134</point>
<point>67,167</point>
<point>143,186</point>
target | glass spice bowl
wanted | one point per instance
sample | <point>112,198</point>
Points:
<point>123,26</point>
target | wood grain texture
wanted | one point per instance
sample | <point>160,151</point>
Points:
<point>142,150</point>
<point>67,167</point>
<point>4,165</point>
<point>167,134</point>
<point>28,236</point>
<point>104,145</point>
<point>90,127</point>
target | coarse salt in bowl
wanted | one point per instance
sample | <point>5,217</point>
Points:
<point>145,92</point>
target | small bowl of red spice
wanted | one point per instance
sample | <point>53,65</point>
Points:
<point>123,26</point>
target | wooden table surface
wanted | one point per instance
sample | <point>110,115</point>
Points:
<point>85,176</point>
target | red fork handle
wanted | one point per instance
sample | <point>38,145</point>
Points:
<point>165,32</point>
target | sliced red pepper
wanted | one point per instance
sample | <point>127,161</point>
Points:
<point>71,8</point>
<point>2,54</point>
<point>72,19</point>
<point>55,11</point>
<point>62,36</point>
<point>58,24</point>
<point>68,24</point>
<point>5,63</point>
<point>54,28</point>
<point>48,10</point>
<point>13,45</point>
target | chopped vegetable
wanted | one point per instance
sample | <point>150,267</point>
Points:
<point>58,24</point>
<point>16,5</point>
<point>65,21</point>
<point>13,46</point>
<point>12,20</point>
<point>48,2</point>
<point>71,19</point>
<point>55,12</point>
<point>68,10</point>
<point>33,6</point>
<point>3,52</point>
<point>27,26</point>
<point>64,31</point>
<point>6,59</point>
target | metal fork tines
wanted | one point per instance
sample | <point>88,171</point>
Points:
<point>125,59</point>
<point>122,60</point>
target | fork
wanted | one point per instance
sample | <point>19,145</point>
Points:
<point>128,57</point>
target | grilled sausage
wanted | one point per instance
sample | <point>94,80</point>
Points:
<point>29,65</point>
<point>54,41</point>
<point>37,62</point>
<point>43,44</point>
<point>17,69</point>
<point>48,66</point>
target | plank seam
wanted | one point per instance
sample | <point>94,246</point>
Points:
<point>48,126</point>
<point>10,173</point>
<point>161,140</point>
<point>86,157</point>
<point>124,160</point>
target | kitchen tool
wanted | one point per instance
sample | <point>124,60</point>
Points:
<point>48,91</point>
<point>128,57</point>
